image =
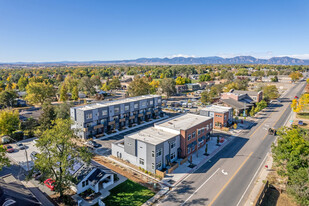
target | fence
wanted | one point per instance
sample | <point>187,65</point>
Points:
<point>184,160</point>
<point>160,173</point>
<point>260,199</point>
<point>170,170</point>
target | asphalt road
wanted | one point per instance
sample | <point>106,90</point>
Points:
<point>226,179</point>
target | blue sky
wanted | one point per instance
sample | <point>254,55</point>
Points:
<point>58,30</point>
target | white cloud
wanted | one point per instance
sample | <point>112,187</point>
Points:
<point>298,56</point>
<point>180,55</point>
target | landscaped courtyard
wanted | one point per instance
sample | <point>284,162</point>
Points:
<point>128,193</point>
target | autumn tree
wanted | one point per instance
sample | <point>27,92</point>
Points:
<point>75,93</point>
<point>7,98</point>
<point>22,83</point>
<point>59,153</point>
<point>38,92</point>
<point>180,80</point>
<point>9,121</point>
<point>270,92</point>
<point>63,93</point>
<point>115,83</point>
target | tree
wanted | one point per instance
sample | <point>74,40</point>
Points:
<point>252,111</point>
<point>229,76</point>
<point>295,76</point>
<point>139,86</point>
<point>204,77</point>
<point>154,86</point>
<point>180,80</point>
<point>87,85</point>
<point>38,92</point>
<point>115,83</point>
<point>105,87</point>
<point>63,111</point>
<point>7,98</point>
<point>9,121</point>
<point>270,92</point>
<point>96,80</point>
<point>291,156</point>
<point>75,93</point>
<point>22,83</point>
<point>59,153</point>
<point>47,117</point>
<point>205,97</point>
<point>274,79</point>
<point>167,86</point>
<point>4,160</point>
<point>63,93</point>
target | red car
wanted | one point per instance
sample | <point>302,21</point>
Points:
<point>50,183</point>
<point>296,97</point>
<point>9,148</point>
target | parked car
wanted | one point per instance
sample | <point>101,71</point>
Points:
<point>9,148</point>
<point>300,122</point>
<point>33,156</point>
<point>35,141</point>
<point>50,183</point>
<point>93,144</point>
<point>296,97</point>
<point>36,175</point>
<point>20,146</point>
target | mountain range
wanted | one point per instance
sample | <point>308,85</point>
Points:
<point>184,60</point>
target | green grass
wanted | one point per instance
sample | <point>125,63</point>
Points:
<point>128,193</point>
<point>303,115</point>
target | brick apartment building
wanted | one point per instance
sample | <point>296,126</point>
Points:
<point>194,131</point>
<point>222,116</point>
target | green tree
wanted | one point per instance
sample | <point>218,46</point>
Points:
<point>180,80</point>
<point>59,153</point>
<point>63,111</point>
<point>4,160</point>
<point>38,93</point>
<point>167,86</point>
<point>275,79</point>
<point>87,85</point>
<point>75,93</point>
<point>139,86</point>
<point>7,98</point>
<point>270,92</point>
<point>204,77</point>
<point>115,83</point>
<point>22,83</point>
<point>205,97</point>
<point>291,156</point>
<point>9,121</point>
<point>63,93</point>
<point>252,111</point>
<point>47,117</point>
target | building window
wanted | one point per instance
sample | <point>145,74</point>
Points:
<point>89,116</point>
<point>152,153</point>
<point>193,134</point>
<point>135,106</point>
<point>189,149</point>
<point>152,165</point>
<point>210,125</point>
<point>141,161</point>
<point>173,144</point>
<point>207,127</point>
<point>104,112</point>
<point>159,165</point>
<point>116,110</point>
<point>127,108</point>
<point>199,132</point>
<point>151,102</point>
<point>159,101</point>
<point>173,156</point>
<point>203,130</point>
<point>85,183</point>
<point>189,137</point>
<point>144,104</point>
<point>159,152</point>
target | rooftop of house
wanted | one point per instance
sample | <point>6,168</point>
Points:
<point>217,108</point>
<point>14,189</point>
<point>240,92</point>
<point>152,135</point>
<point>183,122</point>
<point>109,103</point>
<point>236,104</point>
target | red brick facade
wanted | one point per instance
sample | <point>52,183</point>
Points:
<point>193,141</point>
<point>220,119</point>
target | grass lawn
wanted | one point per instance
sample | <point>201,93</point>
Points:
<point>302,115</point>
<point>128,193</point>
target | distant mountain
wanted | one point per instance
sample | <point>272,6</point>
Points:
<point>184,60</point>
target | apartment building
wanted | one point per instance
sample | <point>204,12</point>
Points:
<point>95,120</point>
<point>194,131</point>
<point>152,148</point>
<point>222,116</point>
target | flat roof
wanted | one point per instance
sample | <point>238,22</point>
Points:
<point>115,102</point>
<point>152,135</point>
<point>183,122</point>
<point>217,108</point>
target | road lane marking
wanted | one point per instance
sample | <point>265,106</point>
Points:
<point>225,173</point>
<point>200,187</point>
<point>252,180</point>
<point>228,182</point>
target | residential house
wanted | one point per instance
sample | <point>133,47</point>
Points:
<point>193,87</point>
<point>222,116</point>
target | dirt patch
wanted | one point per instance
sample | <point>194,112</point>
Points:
<point>130,174</point>
<point>65,200</point>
